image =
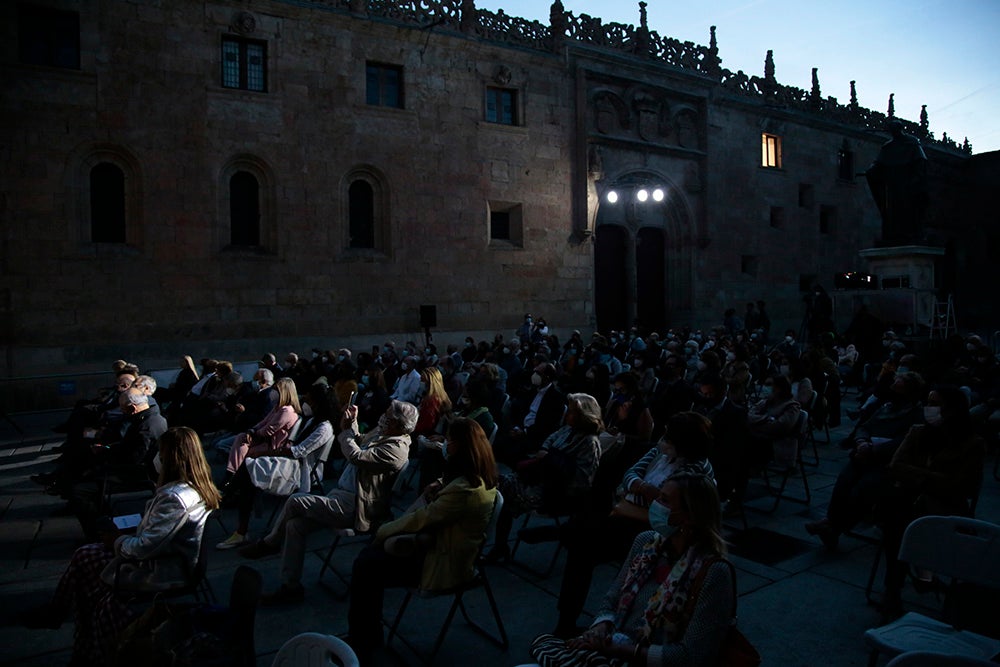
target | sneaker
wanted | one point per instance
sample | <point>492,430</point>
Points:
<point>233,541</point>
<point>287,594</point>
<point>258,549</point>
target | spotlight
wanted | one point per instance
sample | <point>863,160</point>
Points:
<point>642,195</point>
<point>658,194</point>
<point>612,197</point>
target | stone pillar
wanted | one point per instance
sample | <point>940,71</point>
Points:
<point>470,16</point>
<point>557,26</point>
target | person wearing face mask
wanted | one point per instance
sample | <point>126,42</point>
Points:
<point>646,617</point>
<point>435,403</point>
<point>407,387</point>
<point>674,394</point>
<point>872,445</point>
<point>373,397</point>
<point>598,536</point>
<point>361,499</point>
<point>736,374</point>
<point>626,415</point>
<point>771,422</point>
<point>538,419</point>
<point>937,470</point>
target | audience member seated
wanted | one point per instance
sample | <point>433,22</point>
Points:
<point>872,446</point>
<point>627,420</point>
<point>95,413</point>
<point>115,461</point>
<point>373,397</point>
<point>407,387</point>
<point>472,405</point>
<point>675,393</point>
<point>646,618</point>
<point>594,538</point>
<point>772,422</point>
<point>166,542</point>
<point>434,405</point>
<point>937,470</point>
<point>269,434</point>
<point>736,374</point>
<point>730,455</point>
<point>535,421</point>
<point>286,470</point>
<point>361,500</point>
<point>558,476</point>
<point>434,545</point>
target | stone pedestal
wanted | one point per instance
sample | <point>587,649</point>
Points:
<point>906,294</point>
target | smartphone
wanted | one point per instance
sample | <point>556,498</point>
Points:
<point>354,396</point>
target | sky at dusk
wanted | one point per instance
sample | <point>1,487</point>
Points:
<point>942,53</point>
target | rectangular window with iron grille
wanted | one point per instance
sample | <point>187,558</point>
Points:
<point>244,64</point>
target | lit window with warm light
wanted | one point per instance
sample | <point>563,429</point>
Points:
<point>770,151</point>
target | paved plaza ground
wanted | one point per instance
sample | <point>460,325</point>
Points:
<point>798,603</point>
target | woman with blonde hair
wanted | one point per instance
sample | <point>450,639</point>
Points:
<point>435,403</point>
<point>166,544</point>
<point>673,600</point>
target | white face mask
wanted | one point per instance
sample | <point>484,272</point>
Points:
<point>307,410</point>
<point>730,356</point>
<point>788,339</point>
<point>157,466</point>
<point>766,392</point>
<point>659,519</point>
<point>784,369</point>
<point>932,415</point>
<point>536,379</point>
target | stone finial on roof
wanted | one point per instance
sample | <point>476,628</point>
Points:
<point>815,94</point>
<point>892,105</point>
<point>854,94</point>
<point>769,66</point>
<point>924,121</point>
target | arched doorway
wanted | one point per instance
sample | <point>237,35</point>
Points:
<point>611,282</point>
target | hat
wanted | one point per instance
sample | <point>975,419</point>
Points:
<point>321,380</point>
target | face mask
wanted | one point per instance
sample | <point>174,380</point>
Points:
<point>614,340</point>
<point>340,357</point>
<point>886,342</point>
<point>702,365</point>
<point>468,344</point>
<point>464,401</point>
<point>157,466</point>
<point>324,358</point>
<point>902,369</point>
<point>361,385</point>
<point>637,363</point>
<point>659,519</point>
<point>536,379</point>
<point>383,422</point>
<point>970,347</point>
<point>506,350</point>
<point>784,369</point>
<point>405,367</point>
<point>590,375</point>
<point>315,354</point>
<point>788,339</point>
<point>932,415</point>
<point>572,350</point>
<point>766,392</point>
<point>307,410</point>
<point>256,385</point>
<point>730,356</point>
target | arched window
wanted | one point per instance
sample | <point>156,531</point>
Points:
<point>361,214</point>
<point>107,203</point>
<point>244,209</point>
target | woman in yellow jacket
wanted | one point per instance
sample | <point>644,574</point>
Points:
<point>435,543</point>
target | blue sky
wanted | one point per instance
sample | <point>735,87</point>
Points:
<point>942,53</point>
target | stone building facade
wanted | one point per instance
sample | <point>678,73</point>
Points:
<point>228,177</point>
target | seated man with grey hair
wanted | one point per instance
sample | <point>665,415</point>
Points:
<point>361,499</point>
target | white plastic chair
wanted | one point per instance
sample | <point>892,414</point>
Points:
<point>960,548</point>
<point>311,649</point>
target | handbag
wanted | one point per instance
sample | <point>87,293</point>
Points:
<point>736,650</point>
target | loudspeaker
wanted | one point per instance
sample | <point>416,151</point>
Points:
<point>428,317</point>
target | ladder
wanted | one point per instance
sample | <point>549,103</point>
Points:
<point>943,319</point>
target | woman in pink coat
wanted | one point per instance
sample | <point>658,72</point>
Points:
<point>270,433</point>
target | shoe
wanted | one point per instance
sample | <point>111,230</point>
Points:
<point>233,541</point>
<point>285,595</point>
<point>499,553</point>
<point>825,531</point>
<point>258,549</point>
<point>45,478</point>
<point>853,414</point>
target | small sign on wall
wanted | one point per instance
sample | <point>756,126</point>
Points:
<point>67,388</point>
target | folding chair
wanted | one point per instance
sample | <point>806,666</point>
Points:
<point>802,430</point>
<point>958,548</point>
<point>478,580</point>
